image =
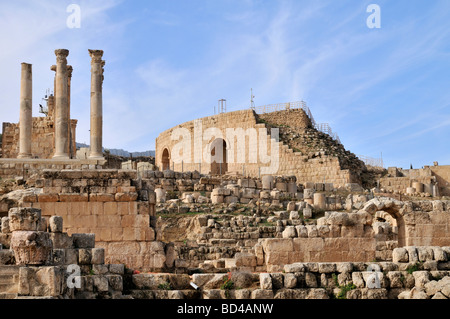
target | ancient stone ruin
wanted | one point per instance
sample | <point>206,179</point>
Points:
<point>195,225</point>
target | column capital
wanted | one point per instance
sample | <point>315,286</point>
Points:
<point>96,55</point>
<point>69,71</point>
<point>61,54</point>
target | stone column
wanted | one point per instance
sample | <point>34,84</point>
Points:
<point>61,106</point>
<point>69,125</point>
<point>97,64</point>
<point>26,119</point>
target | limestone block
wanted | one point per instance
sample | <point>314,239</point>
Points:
<point>310,280</point>
<point>24,219</point>
<point>98,256</point>
<point>5,225</point>
<point>101,283</point>
<point>71,256</point>
<point>344,267</point>
<point>221,191</point>
<point>357,279</point>
<point>265,281</point>
<point>275,194</point>
<point>400,255</point>
<point>312,231</point>
<point>307,212</point>
<point>61,240</point>
<point>231,199</point>
<point>289,232</point>
<point>73,197</point>
<point>245,260</point>
<point>83,240</point>
<point>308,193</point>
<point>439,254</point>
<point>118,269</point>
<point>84,256</point>
<point>421,278</point>
<point>31,247</point>
<point>115,282</point>
<point>323,230</point>
<point>425,253</point>
<point>126,197</point>
<point>294,215</point>
<point>262,294</point>
<point>281,187</point>
<point>412,253</point>
<point>338,218</point>
<point>302,231</point>
<point>290,206</point>
<point>217,199</point>
<point>56,224</point>
<point>160,195</point>
<point>319,201</point>
<point>267,182</point>
<point>264,195</point>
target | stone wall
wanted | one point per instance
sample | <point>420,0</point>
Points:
<point>360,236</point>
<point>42,258</point>
<point>424,278</point>
<point>42,138</point>
<point>424,179</point>
<point>317,168</point>
<point>12,168</point>
<point>112,204</point>
<point>442,174</point>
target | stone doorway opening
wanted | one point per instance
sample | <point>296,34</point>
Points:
<point>219,165</point>
<point>165,160</point>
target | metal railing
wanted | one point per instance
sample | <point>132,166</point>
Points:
<point>370,161</point>
<point>322,127</point>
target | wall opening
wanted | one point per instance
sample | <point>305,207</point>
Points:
<point>399,223</point>
<point>165,160</point>
<point>219,165</point>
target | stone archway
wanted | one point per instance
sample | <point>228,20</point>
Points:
<point>394,209</point>
<point>165,159</point>
<point>219,165</point>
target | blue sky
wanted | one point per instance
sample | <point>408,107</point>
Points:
<point>382,90</point>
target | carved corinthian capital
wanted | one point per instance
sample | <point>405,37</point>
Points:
<point>96,55</point>
<point>61,55</point>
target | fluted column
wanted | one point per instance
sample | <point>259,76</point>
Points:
<point>25,117</point>
<point>97,64</point>
<point>61,106</point>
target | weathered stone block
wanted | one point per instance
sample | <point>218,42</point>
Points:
<point>83,240</point>
<point>400,255</point>
<point>31,247</point>
<point>56,224</point>
<point>24,219</point>
<point>98,256</point>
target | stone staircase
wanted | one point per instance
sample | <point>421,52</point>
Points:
<point>9,282</point>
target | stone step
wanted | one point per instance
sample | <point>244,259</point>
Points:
<point>9,288</point>
<point>8,296</point>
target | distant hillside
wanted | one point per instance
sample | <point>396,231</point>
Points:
<point>120,152</point>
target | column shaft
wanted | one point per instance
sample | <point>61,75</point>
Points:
<point>61,106</point>
<point>96,135</point>
<point>25,117</point>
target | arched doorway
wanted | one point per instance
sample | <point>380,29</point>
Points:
<point>165,160</point>
<point>399,223</point>
<point>219,164</point>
